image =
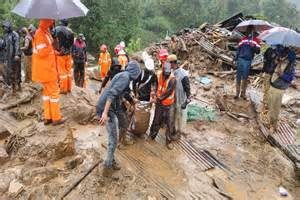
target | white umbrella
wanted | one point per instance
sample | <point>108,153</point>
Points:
<point>259,25</point>
<point>50,9</point>
<point>282,36</point>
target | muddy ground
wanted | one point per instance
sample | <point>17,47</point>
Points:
<point>44,162</point>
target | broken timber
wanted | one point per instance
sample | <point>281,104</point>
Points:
<point>214,50</point>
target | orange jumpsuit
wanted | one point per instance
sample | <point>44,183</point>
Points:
<point>44,70</point>
<point>105,63</point>
<point>123,61</point>
<point>65,64</point>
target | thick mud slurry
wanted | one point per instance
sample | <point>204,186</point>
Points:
<point>252,168</point>
<point>221,160</point>
<point>246,167</point>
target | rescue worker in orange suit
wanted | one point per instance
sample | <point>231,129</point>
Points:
<point>164,107</point>
<point>104,61</point>
<point>44,71</point>
<point>123,60</point>
<point>65,39</point>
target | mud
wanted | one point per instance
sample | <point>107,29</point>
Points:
<point>226,159</point>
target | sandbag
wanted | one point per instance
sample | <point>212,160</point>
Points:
<point>140,120</point>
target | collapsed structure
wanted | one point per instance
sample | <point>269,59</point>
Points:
<point>224,155</point>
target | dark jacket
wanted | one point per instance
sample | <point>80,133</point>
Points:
<point>270,57</point>
<point>285,80</point>
<point>79,52</point>
<point>248,47</point>
<point>113,70</point>
<point>12,46</point>
<point>65,38</point>
<point>27,45</point>
<point>117,88</point>
<point>144,84</point>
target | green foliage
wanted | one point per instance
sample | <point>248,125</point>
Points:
<point>134,45</point>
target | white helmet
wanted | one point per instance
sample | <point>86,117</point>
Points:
<point>122,44</point>
<point>149,64</point>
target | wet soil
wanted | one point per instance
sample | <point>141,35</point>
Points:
<point>251,169</point>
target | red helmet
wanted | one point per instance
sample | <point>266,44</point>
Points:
<point>118,48</point>
<point>163,54</point>
<point>103,48</point>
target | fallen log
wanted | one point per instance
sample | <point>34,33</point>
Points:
<point>233,116</point>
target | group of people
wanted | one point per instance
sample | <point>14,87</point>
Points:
<point>48,53</point>
<point>169,90</point>
<point>278,73</point>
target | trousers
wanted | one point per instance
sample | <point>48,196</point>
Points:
<point>180,119</point>
<point>51,101</point>
<point>274,104</point>
<point>117,124</point>
<point>79,74</point>
<point>266,82</point>
<point>163,115</point>
<point>27,66</point>
<point>64,64</point>
<point>243,69</point>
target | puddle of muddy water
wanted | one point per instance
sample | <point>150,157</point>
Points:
<point>87,137</point>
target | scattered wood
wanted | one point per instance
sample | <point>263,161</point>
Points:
<point>222,74</point>
<point>8,122</point>
<point>80,179</point>
<point>243,115</point>
<point>233,116</point>
<point>30,94</point>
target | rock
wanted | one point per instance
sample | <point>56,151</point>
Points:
<point>151,198</point>
<point>45,192</point>
<point>49,144</point>
<point>39,175</point>
<point>73,163</point>
<point>5,180</point>
<point>207,87</point>
<point>80,106</point>
<point>3,132</point>
<point>297,170</point>
<point>3,155</point>
<point>15,188</point>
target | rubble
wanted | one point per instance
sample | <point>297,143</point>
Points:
<point>15,188</point>
<point>3,154</point>
<point>48,162</point>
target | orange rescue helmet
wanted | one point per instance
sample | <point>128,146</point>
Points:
<point>163,54</point>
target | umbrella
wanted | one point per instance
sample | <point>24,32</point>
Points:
<point>50,9</point>
<point>281,35</point>
<point>259,25</point>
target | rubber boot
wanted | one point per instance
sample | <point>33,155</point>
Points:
<point>107,171</point>
<point>238,90</point>
<point>244,89</point>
